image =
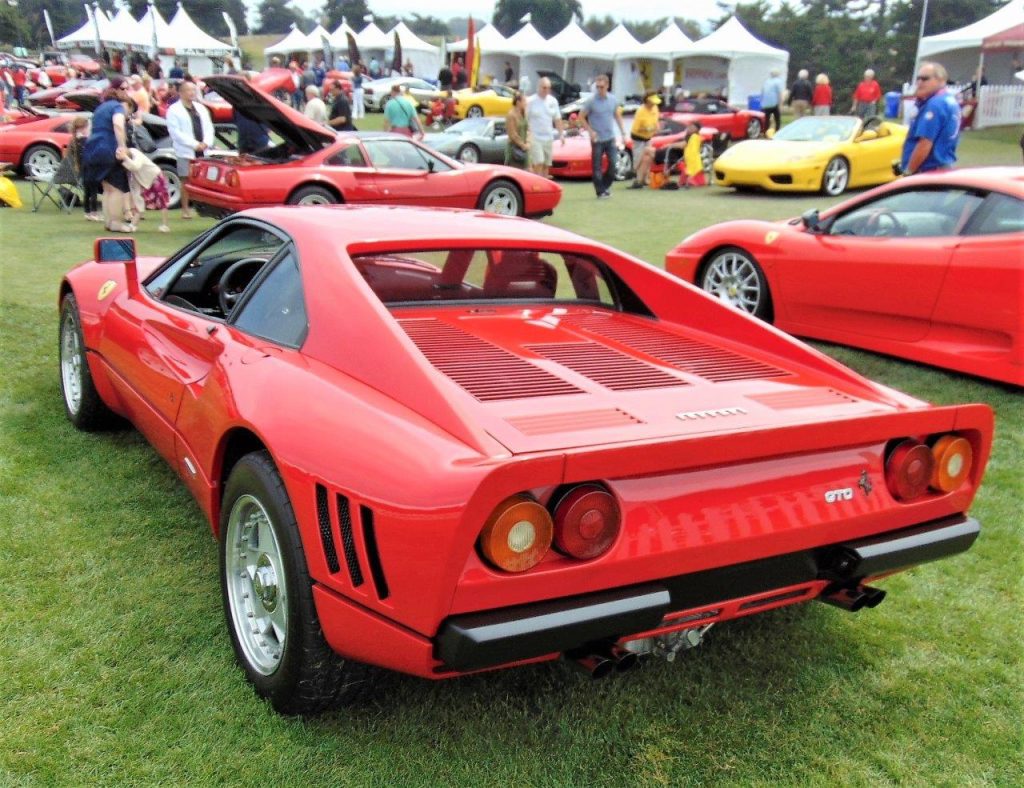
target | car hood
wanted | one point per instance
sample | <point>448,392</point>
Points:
<point>257,105</point>
<point>752,152</point>
<point>447,139</point>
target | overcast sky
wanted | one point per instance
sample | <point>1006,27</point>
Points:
<point>699,10</point>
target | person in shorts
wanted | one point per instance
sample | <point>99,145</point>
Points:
<point>543,118</point>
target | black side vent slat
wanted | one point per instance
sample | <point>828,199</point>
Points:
<point>372,554</point>
<point>323,518</point>
<point>611,368</point>
<point>348,542</point>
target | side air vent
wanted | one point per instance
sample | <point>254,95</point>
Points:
<point>323,518</point>
<point>380,583</point>
<point>611,368</point>
<point>698,358</point>
<point>486,371</point>
<point>348,542</point>
<point>802,398</point>
<point>549,423</point>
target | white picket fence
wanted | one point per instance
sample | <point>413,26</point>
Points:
<point>999,105</point>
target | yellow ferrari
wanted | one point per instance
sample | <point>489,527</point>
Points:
<point>493,100</point>
<point>825,153</point>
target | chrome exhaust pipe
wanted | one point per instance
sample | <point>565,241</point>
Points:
<point>853,598</point>
<point>625,659</point>
<point>597,666</point>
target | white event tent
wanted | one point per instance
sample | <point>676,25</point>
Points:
<point>731,59</point>
<point>623,49</point>
<point>960,50</point>
<point>668,48</point>
<point>295,41</point>
<point>190,41</point>
<point>495,49</point>
<point>425,58</point>
<point>125,31</point>
<point>97,25</point>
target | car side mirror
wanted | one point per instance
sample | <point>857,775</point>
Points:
<point>119,250</point>
<point>430,165</point>
<point>811,221</point>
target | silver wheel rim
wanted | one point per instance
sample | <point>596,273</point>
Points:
<point>257,592</point>
<point>469,154</point>
<point>173,188</point>
<point>315,199</point>
<point>836,175</point>
<point>42,163</point>
<point>475,112</point>
<point>71,363</point>
<point>753,129</point>
<point>733,278</point>
<point>623,165</point>
<point>502,200</point>
<point>707,157</point>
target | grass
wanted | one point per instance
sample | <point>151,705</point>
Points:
<point>118,670</point>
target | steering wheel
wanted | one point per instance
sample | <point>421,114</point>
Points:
<point>232,282</point>
<point>884,223</point>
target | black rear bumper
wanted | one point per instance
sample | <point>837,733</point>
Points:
<point>478,640</point>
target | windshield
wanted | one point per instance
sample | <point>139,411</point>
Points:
<point>477,126</point>
<point>819,129</point>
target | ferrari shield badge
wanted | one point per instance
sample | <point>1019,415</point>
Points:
<point>770,237</point>
<point>106,289</point>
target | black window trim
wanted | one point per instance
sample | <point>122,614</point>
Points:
<point>982,212</point>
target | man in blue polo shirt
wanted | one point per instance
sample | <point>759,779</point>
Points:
<point>935,131</point>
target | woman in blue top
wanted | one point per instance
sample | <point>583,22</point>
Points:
<point>104,151</point>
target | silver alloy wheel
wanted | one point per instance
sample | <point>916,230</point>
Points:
<point>733,277</point>
<point>837,175</point>
<point>314,199</point>
<point>71,362</point>
<point>503,200</point>
<point>753,129</point>
<point>475,111</point>
<point>623,165</point>
<point>257,589</point>
<point>173,186</point>
<point>707,158</point>
<point>42,163</point>
<point>469,154</point>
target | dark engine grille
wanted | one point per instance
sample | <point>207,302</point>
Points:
<point>348,542</point>
<point>486,371</point>
<point>707,361</point>
<point>610,368</point>
<point>323,518</point>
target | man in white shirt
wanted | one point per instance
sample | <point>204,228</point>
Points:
<point>315,110</point>
<point>191,129</point>
<point>542,118</point>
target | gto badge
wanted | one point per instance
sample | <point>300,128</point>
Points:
<point>770,237</point>
<point>842,494</point>
<point>106,289</point>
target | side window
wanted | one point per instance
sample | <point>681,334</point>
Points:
<point>401,155</point>
<point>499,128</point>
<point>913,213</point>
<point>349,156</point>
<point>276,310</point>
<point>1002,214</point>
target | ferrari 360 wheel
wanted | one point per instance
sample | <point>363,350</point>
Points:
<point>268,597</point>
<point>82,402</point>
<point>735,277</point>
<point>623,165</point>
<point>501,197</point>
<point>753,129</point>
<point>476,111</point>
<point>835,177</point>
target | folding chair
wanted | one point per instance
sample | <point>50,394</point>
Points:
<point>63,188</point>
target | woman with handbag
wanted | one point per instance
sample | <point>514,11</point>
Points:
<point>517,147</point>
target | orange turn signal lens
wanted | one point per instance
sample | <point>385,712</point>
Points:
<point>953,459</point>
<point>908,471</point>
<point>517,535</point>
<point>587,521</point>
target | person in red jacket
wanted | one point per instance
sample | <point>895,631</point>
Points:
<point>822,101</point>
<point>20,77</point>
<point>866,96</point>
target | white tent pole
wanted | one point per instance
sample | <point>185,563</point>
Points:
<point>920,38</point>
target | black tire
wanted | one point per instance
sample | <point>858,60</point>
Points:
<point>170,172</point>
<point>502,197</point>
<point>836,177</point>
<point>476,111</point>
<point>308,676</point>
<point>733,275</point>
<point>468,153</point>
<point>40,161</point>
<point>82,403</point>
<point>313,195</point>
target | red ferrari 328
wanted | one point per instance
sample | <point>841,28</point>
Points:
<point>317,166</point>
<point>928,268</point>
<point>445,441</point>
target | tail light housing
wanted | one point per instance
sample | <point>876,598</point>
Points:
<point>231,179</point>
<point>517,535</point>
<point>908,470</point>
<point>953,459</point>
<point>587,521</point>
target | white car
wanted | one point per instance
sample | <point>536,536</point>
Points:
<point>377,93</point>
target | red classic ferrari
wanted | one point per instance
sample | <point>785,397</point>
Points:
<point>445,441</point>
<point>928,268</point>
<point>35,145</point>
<point>315,166</point>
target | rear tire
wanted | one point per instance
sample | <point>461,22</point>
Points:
<point>836,177</point>
<point>268,598</point>
<point>313,195</point>
<point>469,154</point>
<point>476,111</point>
<point>501,197</point>
<point>82,403</point>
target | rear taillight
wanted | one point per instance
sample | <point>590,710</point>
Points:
<point>517,534</point>
<point>908,470</point>
<point>231,179</point>
<point>587,521</point>
<point>952,460</point>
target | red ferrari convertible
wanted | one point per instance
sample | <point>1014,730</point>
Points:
<point>928,268</point>
<point>315,166</point>
<point>445,441</point>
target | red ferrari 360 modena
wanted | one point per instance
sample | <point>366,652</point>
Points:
<point>446,441</point>
<point>316,166</point>
<point>928,268</point>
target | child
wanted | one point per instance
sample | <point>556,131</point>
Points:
<point>90,189</point>
<point>693,173</point>
<point>156,198</point>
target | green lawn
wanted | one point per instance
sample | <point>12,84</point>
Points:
<point>117,668</point>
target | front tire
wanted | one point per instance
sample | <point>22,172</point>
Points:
<point>836,177</point>
<point>753,129</point>
<point>469,154</point>
<point>268,597</point>
<point>501,197</point>
<point>82,403</point>
<point>733,276</point>
<point>313,195</point>
<point>41,162</point>
<point>623,165</point>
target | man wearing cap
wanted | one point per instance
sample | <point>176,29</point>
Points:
<point>645,126</point>
<point>935,131</point>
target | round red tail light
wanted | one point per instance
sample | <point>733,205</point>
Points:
<point>953,459</point>
<point>517,534</point>
<point>908,471</point>
<point>587,521</point>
